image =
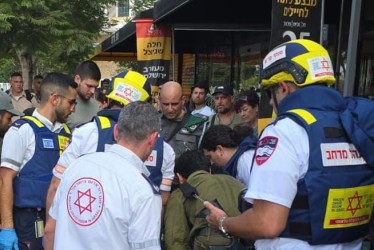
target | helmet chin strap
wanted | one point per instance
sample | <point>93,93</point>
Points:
<point>275,101</point>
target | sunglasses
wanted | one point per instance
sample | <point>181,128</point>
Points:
<point>70,101</point>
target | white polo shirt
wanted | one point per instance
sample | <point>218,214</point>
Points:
<point>19,143</point>
<point>277,168</point>
<point>84,141</point>
<point>103,202</point>
<point>244,167</point>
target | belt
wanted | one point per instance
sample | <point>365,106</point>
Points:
<point>29,209</point>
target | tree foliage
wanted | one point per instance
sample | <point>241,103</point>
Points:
<point>138,6</point>
<point>49,34</point>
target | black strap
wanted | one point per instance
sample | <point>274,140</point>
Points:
<point>179,126</point>
<point>300,202</point>
<point>300,229</point>
<point>29,96</point>
<point>213,119</point>
<point>331,132</point>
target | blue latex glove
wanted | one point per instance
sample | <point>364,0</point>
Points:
<point>8,239</point>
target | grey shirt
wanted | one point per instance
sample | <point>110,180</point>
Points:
<point>84,111</point>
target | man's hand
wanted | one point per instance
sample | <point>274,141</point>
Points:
<point>8,239</point>
<point>215,214</point>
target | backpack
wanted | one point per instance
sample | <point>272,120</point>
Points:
<point>358,122</point>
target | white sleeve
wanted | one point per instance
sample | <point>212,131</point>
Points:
<point>53,210</point>
<point>281,159</point>
<point>244,167</point>
<point>145,223</point>
<point>84,140</point>
<point>18,147</point>
<point>167,168</point>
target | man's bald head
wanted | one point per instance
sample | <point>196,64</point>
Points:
<point>171,88</point>
<point>172,100</point>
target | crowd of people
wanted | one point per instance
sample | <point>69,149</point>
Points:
<point>92,164</point>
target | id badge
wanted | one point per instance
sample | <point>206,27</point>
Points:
<point>39,228</point>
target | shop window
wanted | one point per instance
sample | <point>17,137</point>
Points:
<point>215,66</point>
<point>123,8</point>
<point>250,60</point>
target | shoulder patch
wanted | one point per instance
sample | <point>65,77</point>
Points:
<point>265,148</point>
<point>155,189</point>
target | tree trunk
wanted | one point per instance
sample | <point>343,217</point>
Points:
<point>27,65</point>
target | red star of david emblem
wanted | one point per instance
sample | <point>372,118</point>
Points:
<point>128,91</point>
<point>325,64</point>
<point>358,205</point>
<point>84,201</point>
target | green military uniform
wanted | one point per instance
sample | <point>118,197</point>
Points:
<point>181,224</point>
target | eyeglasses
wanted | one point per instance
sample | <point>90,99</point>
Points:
<point>71,101</point>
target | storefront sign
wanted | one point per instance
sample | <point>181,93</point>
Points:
<point>291,19</point>
<point>154,50</point>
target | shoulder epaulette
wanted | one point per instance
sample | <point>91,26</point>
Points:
<point>18,123</point>
<point>155,189</point>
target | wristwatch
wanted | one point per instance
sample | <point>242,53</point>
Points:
<point>220,225</point>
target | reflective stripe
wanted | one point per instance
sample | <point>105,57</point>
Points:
<point>60,169</point>
<point>305,115</point>
<point>104,121</point>
<point>36,121</point>
<point>146,244</point>
<point>67,130</point>
<point>167,181</point>
<point>17,164</point>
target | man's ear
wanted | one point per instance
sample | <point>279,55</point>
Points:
<point>220,150</point>
<point>54,99</point>
<point>232,98</point>
<point>180,178</point>
<point>115,132</point>
<point>153,138</point>
<point>77,79</point>
<point>183,100</point>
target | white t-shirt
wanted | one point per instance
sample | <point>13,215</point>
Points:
<point>103,202</point>
<point>84,141</point>
<point>19,143</point>
<point>244,167</point>
<point>277,168</point>
<point>206,110</point>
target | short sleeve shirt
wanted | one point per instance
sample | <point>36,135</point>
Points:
<point>101,204</point>
<point>281,160</point>
<point>19,143</point>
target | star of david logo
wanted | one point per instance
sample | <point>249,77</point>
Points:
<point>358,205</point>
<point>128,91</point>
<point>325,64</point>
<point>84,201</point>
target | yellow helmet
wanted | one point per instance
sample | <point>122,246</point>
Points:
<point>129,86</point>
<point>302,62</point>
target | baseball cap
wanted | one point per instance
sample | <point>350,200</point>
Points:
<point>6,104</point>
<point>223,89</point>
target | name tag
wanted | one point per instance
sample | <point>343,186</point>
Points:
<point>48,143</point>
<point>340,154</point>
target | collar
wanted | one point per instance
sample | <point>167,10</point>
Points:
<point>130,156</point>
<point>196,173</point>
<point>54,127</point>
<point>22,94</point>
